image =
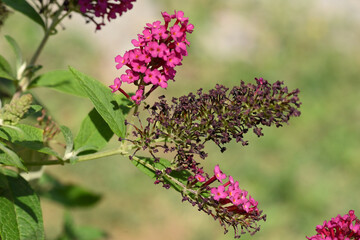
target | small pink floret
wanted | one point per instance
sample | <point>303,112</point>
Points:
<point>219,193</point>
<point>138,96</point>
<point>166,16</point>
<point>219,175</point>
<point>121,60</point>
<point>200,178</point>
<point>116,85</point>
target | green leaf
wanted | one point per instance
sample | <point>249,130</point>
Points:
<point>106,103</point>
<point>88,233</point>
<point>71,231</point>
<point>182,176</point>
<point>9,158</point>
<point>69,195</point>
<point>87,149</point>
<point>20,211</point>
<point>94,131</point>
<point>27,136</point>
<point>69,140</point>
<point>59,80</point>
<point>5,69</point>
<point>25,8</point>
<point>7,88</point>
<point>16,49</point>
<point>161,165</point>
<point>32,110</point>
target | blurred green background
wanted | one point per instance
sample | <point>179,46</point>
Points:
<point>301,174</point>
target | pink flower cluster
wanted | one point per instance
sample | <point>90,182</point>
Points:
<point>345,227</point>
<point>157,51</point>
<point>229,194</point>
<point>104,9</point>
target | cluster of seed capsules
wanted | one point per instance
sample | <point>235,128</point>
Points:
<point>220,116</point>
<point>158,50</point>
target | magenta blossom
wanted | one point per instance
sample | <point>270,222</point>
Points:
<point>138,96</point>
<point>93,9</point>
<point>228,203</point>
<point>158,50</point>
<point>345,227</point>
<point>218,173</point>
<point>116,85</point>
<point>238,197</point>
<point>219,192</point>
<point>200,178</point>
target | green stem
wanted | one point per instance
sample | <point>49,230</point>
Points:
<point>103,154</point>
<point>40,48</point>
<point>142,162</point>
<point>117,151</point>
<point>46,162</point>
<point>83,158</point>
<point>25,80</point>
<point>56,20</point>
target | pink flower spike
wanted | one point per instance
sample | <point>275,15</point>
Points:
<point>219,193</point>
<point>341,227</point>
<point>200,178</point>
<point>116,85</point>
<point>104,9</point>
<point>154,48</point>
<point>138,96</point>
<point>219,175</point>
